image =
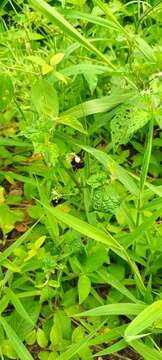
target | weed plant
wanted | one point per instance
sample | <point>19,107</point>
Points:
<point>80,179</point>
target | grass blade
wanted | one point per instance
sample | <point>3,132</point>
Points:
<point>86,229</point>
<point>144,320</point>
<point>18,306</point>
<point>103,104</point>
<point>98,235</point>
<point>54,16</point>
<point>114,309</point>
<point>139,231</point>
<point>17,243</point>
<point>16,343</point>
<point>120,345</point>
<point>115,170</point>
<point>145,166</point>
<point>74,14</point>
<point>75,348</point>
<point>112,335</point>
<point>146,351</point>
<point>114,282</point>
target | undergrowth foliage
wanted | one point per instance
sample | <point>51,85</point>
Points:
<point>81,188</point>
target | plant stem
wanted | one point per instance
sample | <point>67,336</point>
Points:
<point>145,166</point>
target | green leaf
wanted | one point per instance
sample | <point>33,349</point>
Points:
<point>114,282</point>
<point>118,346</point>
<point>87,229</point>
<point>6,91</point>
<point>18,323</point>
<point>61,328</point>
<point>144,320</point>
<point>73,14</point>
<point>127,240</point>
<point>8,218</point>
<point>116,171</point>
<point>41,338</point>
<point>96,259</point>
<point>145,167</point>
<point>7,349</point>
<point>15,341</point>
<point>15,244</point>
<point>53,15</point>
<point>114,309</point>
<point>18,306</point>
<point>72,122</point>
<point>31,337</point>
<point>123,130</point>
<point>98,235</point>
<point>95,106</point>
<point>145,49</point>
<point>84,287</point>
<point>44,98</point>
<point>81,344</point>
<point>146,351</point>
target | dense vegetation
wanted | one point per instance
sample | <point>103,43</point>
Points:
<point>81,179</point>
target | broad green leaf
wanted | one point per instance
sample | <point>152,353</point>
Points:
<point>6,91</point>
<point>38,243</point>
<point>16,343</point>
<point>78,334</point>
<point>7,349</point>
<point>41,338</point>
<point>114,309</point>
<point>96,259</point>
<point>31,337</point>
<point>55,335</point>
<point>90,72</point>
<point>72,122</point>
<point>46,68</point>
<point>61,328</point>
<point>8,218</point>
<point>56,59</point>
<point>44,98</point>
<point>84,287</point>
<point>144,320</point>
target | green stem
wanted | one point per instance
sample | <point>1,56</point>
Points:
<point>145,167</point>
